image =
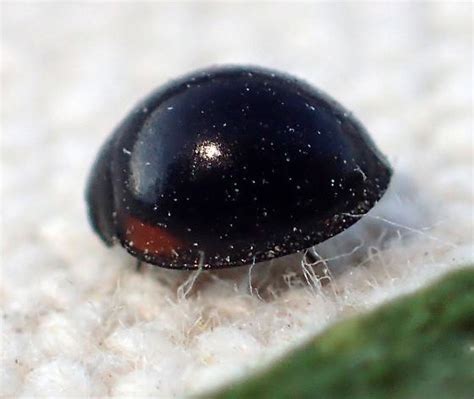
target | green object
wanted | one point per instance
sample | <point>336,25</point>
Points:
<point>419,346</point>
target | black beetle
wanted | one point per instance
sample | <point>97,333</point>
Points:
<point>232,165</point>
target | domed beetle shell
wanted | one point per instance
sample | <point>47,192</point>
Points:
<point>232,165</point>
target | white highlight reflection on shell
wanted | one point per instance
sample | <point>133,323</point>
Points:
<point>209,150</point>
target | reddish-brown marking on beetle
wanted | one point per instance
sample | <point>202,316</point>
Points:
<point>149,239</point>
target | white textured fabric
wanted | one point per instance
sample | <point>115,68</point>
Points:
<point>79,321</point>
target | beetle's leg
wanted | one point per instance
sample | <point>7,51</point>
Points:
<point>310,256</point>
<point>138,267</point>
